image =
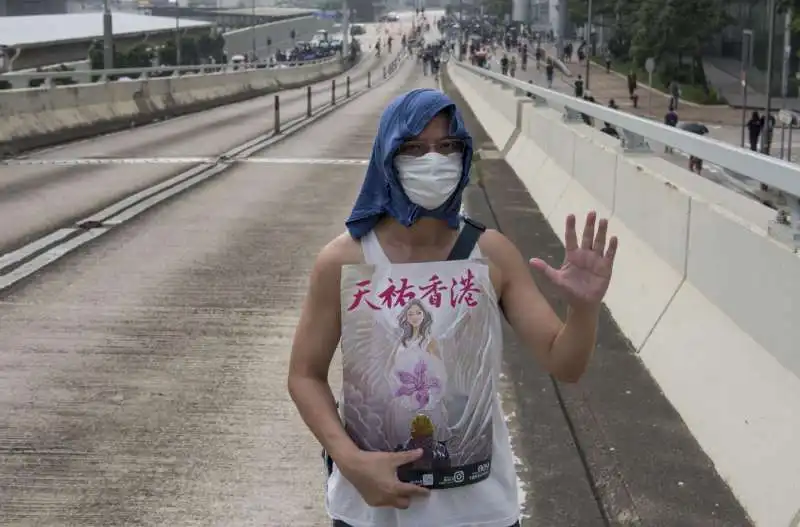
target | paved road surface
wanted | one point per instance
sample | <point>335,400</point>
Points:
<point>36,198</point>
<point>142,378</point>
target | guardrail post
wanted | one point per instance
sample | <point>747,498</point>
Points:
<point>369,79</point>
<point>347,87</point>
<point>571,116</point>
<point>277,107</point>
<point>786,226</point>
<point>634,143</point>
<point>333,92</point>
<point>308,101</point>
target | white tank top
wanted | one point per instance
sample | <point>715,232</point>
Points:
<point>492,502</point>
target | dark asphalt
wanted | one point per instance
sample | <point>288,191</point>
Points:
<point>613,439</point>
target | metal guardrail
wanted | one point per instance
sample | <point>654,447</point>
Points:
<point>635,132</point>
<point>144,73</point>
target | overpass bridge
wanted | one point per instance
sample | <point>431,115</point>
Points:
<point>151,280</point>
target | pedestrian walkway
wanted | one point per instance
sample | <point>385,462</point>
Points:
<point>605,87</point>
<point>653,104</point>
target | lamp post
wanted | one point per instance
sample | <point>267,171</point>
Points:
<point>108,37</point>
<point>345,29</point>
<point>178,43</point>
<point>253,29</point>
<point>588,43</point>
<point>765,144</point>
<point>747,59</point>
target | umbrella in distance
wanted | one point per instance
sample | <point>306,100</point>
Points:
<point>695,128</point>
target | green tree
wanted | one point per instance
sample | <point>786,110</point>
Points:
<point>579,11</point>
<point>498,8</point>
<point>674,32</point>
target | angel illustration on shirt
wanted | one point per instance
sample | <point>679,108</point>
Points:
<point>421,360</point>
<point>417,375</point>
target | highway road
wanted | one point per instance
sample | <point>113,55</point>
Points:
<point>59,186</point>
<point>142,377</point>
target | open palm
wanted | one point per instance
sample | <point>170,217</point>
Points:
<point>586,272</point>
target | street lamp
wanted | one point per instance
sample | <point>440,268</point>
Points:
<point>747,59</point>
<point>178,43</point>
<point>588,43</point>
<point>108,37</point>
<point>253,29</point>
<point>765,143</point>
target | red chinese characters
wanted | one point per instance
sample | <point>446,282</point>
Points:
<point>462,291</point>
<point>398,293</point>
<point>359,295</point>
<point>397,296</point>
<point>432,291</point>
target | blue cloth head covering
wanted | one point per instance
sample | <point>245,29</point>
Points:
<point>404,118</point>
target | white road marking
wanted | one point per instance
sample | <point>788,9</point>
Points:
<point>87,161</point>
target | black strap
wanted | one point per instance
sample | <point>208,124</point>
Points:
<point>467,239</point>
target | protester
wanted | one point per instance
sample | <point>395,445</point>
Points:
<point>415,292</point>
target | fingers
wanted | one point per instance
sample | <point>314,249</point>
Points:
<point>600,239</point>
<point>613,243</point>
<point>401,458</point>
<point>409,490</point>
<point>543,267</point>
<point>588,231</point>
<point>571,237</point>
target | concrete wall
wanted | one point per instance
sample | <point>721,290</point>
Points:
<point>32,118</point>
<point>240,41</point>
<point>711,303</point>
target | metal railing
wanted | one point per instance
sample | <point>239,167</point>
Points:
<point>126,74</point>
<point>636,133</point>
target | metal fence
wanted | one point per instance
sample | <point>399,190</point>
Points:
<point>123,74</point>
<point>636,134</point>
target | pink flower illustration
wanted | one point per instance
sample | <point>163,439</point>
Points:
<point>418,384</point>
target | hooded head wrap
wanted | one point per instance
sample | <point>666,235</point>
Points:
<point>381,194</point>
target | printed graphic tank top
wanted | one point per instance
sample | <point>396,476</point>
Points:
<point>421,356</point>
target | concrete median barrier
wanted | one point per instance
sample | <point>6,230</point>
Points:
<point>707,298</point>
<point>33,118</point>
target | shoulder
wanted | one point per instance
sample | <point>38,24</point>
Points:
<point>506,264</point>
<point>498,248</point>
<point>342,250</point>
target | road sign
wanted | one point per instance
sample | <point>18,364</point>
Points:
<point>650,65</point>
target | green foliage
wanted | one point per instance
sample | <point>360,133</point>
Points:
<point>498,8</point>
<point>194,51</point>
<point>579,10</point>
<point>673,32</point>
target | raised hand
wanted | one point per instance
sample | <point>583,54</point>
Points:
<point>374,475</point>
<point>586,272</point>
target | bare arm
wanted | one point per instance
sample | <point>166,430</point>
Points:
<point>563,349</point>
<point>315,341</point>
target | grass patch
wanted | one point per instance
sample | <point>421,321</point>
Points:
<point>689,92</point>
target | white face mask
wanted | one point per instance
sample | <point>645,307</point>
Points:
<point>429,180</point>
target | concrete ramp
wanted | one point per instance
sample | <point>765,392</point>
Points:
<point>708,300</point>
